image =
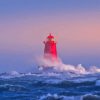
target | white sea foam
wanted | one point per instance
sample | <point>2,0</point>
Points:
<point>58,97</point>
<point>11,74</point>
<point>90,97</point>
<point>59,66</point>
<point>14,73</point>
<point>88,79</point>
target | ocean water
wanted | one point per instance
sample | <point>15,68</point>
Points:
<point>49,86</point>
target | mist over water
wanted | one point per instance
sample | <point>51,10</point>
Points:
<point>59,66</point>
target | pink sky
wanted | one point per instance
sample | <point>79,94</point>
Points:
<point>24,27</point>
<point>73,32</point>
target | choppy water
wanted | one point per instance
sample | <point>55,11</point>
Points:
<point>49,86</point>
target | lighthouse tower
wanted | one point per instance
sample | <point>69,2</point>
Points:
<point>50,51</point>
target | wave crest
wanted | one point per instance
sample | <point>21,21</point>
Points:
<point>12,88</point>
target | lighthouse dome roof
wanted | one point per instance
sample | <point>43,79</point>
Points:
<point>50,36</point>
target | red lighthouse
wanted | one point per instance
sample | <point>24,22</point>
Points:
<point>50,51</point>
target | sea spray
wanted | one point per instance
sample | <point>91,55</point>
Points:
<point>59,66</point>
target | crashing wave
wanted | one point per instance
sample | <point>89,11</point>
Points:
<point>12,88</point>
<point>59,66</point>
<point>55,97</point>
<point>11,74</point>
<point>91,97</point>
<point>58,97</point>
